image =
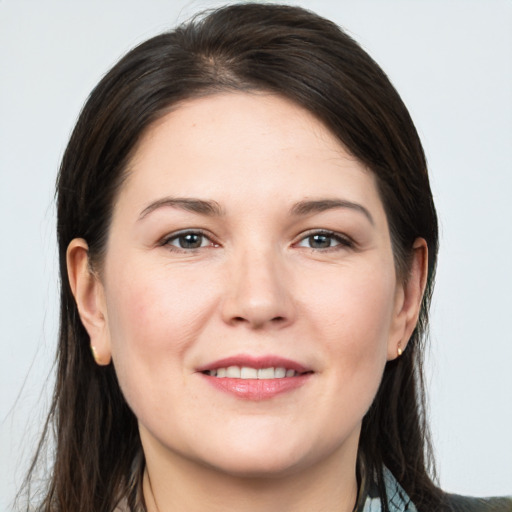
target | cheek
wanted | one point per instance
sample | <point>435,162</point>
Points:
<point>153,317</point>
<point>353,307</point>
<point>353,316</point>
<point>151,306</point>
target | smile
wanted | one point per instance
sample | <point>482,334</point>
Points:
<point>255,378</point>
<point>246,372</point>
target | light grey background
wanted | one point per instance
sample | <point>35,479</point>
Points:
<point>452,63</point>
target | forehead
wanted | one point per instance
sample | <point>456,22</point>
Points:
<point>244,145</point>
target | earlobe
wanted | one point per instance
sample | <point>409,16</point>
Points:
<point>90,299</point>
<point>408,300</point>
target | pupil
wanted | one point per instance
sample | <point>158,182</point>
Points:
<point>190,241</point>
<point>319,241</point>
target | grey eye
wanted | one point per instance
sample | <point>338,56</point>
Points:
<point>189,241</point>
<point>320,241</point>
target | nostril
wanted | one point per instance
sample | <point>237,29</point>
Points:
<point>258,322</point>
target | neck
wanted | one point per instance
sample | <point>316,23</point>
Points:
<point>184,485</point>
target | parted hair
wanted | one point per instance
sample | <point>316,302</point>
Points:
<point>95,457</point>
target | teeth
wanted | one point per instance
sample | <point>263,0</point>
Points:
<point>281,372</point>
<point>233,372</point>
<point>266,373</point>
<point>246,372</point>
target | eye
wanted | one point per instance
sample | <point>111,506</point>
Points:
<point>324,240</point>
<point>188,240</point>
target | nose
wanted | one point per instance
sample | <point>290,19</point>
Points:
<point>258,292</point>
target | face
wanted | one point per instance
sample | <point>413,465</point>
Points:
<point>248,289</point>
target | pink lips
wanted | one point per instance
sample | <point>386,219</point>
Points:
<point>256,389</point>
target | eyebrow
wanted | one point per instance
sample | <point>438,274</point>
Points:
<point>320,205</point>
<point>213,209</point>
<point>200,206</point>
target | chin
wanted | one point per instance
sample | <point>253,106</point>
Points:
<point>264,457</point>
<point>258,466</point>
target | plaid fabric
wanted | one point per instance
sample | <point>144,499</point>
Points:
<point>398,501</point>
<point>370,500</point>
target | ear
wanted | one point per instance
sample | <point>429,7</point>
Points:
<point>408,298</point>
<point>90,299</point>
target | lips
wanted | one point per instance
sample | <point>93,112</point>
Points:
<point>255,378</point>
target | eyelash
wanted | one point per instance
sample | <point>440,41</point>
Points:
<point>342,241</point>
<point>176,236</point>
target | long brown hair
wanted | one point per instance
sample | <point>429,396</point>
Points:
<point>292,52</point>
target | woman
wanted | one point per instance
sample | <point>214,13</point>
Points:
<point>247,242</point>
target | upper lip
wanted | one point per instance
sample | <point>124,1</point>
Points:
<point>258,362</point>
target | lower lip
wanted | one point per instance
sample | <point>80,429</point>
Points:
<point>257,389</point>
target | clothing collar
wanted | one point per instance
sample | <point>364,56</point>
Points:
<point>370,500</point>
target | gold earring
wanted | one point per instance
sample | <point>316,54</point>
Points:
<point>399,351</point>
<point>94,354</point>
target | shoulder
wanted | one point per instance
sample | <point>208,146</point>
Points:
<point>466,504</point>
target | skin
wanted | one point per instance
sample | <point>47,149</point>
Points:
<point>258,285</point>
